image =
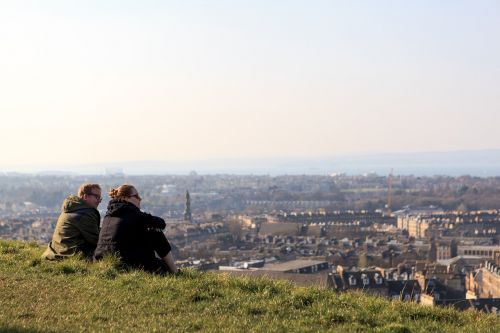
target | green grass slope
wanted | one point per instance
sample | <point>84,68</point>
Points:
<point>73,295</point>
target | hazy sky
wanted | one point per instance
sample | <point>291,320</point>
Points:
<point>100,81</point>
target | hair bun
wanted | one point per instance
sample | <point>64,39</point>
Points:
<point>122,191</point>
<point>113,193</point>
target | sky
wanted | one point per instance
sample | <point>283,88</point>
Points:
<point>109,81</point>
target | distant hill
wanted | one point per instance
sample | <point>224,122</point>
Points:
<point>74,295</point>
<point>483,163</point>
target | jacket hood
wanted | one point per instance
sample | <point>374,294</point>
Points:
<point>116,206</point>
<point>74,203</point>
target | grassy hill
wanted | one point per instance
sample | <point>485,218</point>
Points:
<point>73,295</point>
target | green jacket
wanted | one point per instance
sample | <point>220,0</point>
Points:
<point>77,230</point>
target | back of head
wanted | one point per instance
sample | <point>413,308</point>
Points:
<point>87,188</point>
<point>122,192</point>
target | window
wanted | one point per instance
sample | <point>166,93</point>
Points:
<point>352,280</point>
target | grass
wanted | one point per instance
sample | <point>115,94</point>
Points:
<point>74,296</point>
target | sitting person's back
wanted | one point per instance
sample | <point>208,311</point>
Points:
<point>125,232</point>
<point>133,235</point>
<point>77,228</point>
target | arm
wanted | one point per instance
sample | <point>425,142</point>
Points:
<point>169,261</point>
<point>88,225</point>
<point>154,222</point>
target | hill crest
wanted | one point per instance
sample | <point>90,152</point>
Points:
<point>74,295</point>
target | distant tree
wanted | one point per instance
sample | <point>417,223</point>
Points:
<point>362,259</point>
<point>462,207</point>
<point>235,229</point>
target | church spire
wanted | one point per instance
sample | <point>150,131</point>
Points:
<point>187,210</point>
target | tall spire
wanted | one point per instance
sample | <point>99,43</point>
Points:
<point>187,210</point>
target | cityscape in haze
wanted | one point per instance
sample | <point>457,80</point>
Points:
<point>485,163</point>
<point>350,145</point>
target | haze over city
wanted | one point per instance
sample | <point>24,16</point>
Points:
<point>104,82</point>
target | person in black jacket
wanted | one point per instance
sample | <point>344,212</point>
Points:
<point>136,237</point>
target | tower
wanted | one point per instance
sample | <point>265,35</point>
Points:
<point>389,193</point>
<point>432,255</point>
<point>187,209</point>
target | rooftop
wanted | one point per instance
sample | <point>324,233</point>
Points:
<point>292,265</point>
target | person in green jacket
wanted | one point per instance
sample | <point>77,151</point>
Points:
<point>77,228</point>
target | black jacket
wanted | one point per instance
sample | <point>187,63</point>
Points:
<point>124,231</point>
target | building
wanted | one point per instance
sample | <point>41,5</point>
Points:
<point>483,251</point>
<point>485,282</point>
<point>374,281</point>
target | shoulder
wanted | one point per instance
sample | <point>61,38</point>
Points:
<point>88,214</point>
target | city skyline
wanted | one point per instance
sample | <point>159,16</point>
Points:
<point>91,82</point>
<point>478,163</point>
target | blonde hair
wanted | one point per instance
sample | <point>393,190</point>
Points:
<point>87,189</point>
<point>123,191</point>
